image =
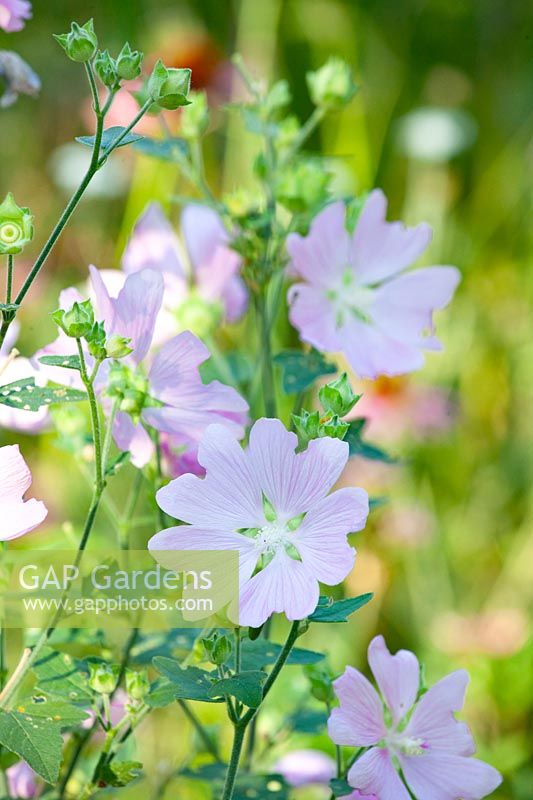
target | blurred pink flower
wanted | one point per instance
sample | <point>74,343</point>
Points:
<point>306,767</point>
<point>21,780</point>
<point>295,531</point>
<point>498,632</point>
<point>117,709</point>
<point>356,297</point>
<point>13,14</point>
<point>406,524</point>
<point>17,516</point>
<point>14,368</point>
<point>431,747</point>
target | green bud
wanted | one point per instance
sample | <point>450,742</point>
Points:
<point>288,130</point>
<point>331,86</point>
<point>334,427</point>
<point>195,117</point>
<point>199,315</point>
<point>96,339</point>
<point>103,678</point>
<point>337,396</point>
<point>321,684</point>
<point>169,87</point>
<point>77,322</point>
<point>16,226</point>
<point>137,684</point>
<point>307,426</point>
<point>217,648</point>
<point>128,63</point>
<point>303,186</point>
<point>118,346</point>
<point>106,69</point>
<point>80,44</point>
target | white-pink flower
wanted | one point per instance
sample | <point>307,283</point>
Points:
<point>271,505</point>
<point>306,768</point>
<point>423,737</point>
<point>13,14</point>
<point>22,781</point>
<point>356,297</point>
<point>17,516</point>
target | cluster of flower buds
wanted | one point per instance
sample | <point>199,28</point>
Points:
<point>337,399</point>
<point>332,86</point>
<point>16,226</point>
<point>130,388</point>
<point>78,322</point>
<point>217,648</point>
<point>125,67</point>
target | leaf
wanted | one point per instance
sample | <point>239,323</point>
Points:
<point>108,137</point>
<point>300,370</point>
<point>24,394</point>
<point>59,674</point>
<point>247,787</point>
<point>117,463</point>
<point>53,710</point>
<point>191,683</point>
<point>358,447</point>
<point>261,653</point>
<point>174,150</point>
<point>120,773</point>
<point>68,362</point>
<point>246,687</point>
<point>35,740</point>
<point>308,720</point>
<point>340,787</point>
<point>329,610</point>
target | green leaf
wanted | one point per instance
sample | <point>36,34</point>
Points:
<point>174,150</point>
<point>35,740</point>
<point>120,773</point>
<point>68,362</point>
<point>258,787</point>
<point>358,447</point>
<point>246,687</point>
<point>24,394</point>
<point>108,137</point>
<point>308,720</point>
<point>300,370</point>
<point>190,683</point>
<point>117,463</point>
<point>53,710</point>
<point>260,653</point>
<point>340,787</point>
<point>329,610</point>
<point>59,674</point>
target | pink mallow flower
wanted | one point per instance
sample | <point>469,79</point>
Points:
<point>17,516</point>
<point>21,781</point>
<point>357,299</point>
<point>271,505</point>
<point>202,281</point>
<point>13,14</point>
<point>423,738</point>
<point>306,768</point>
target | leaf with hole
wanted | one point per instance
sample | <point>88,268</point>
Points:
<point>68,362</point>
<point>26,396</point>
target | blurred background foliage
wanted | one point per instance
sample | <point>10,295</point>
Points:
<point>441,123</point>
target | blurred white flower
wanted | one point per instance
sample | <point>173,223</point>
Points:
<point>436,134</point>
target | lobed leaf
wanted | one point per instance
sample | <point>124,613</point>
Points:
<point>245,686</point>
<point>329,610</point>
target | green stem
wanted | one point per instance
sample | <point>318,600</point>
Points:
<point>95,419</point>
<point>122,135</point>
<point>269,387</point>
<point>233,766</point>
<point>210,746</point>
<point>305,132</point>
<point>9,288</point>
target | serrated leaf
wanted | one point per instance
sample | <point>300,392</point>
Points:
<point>300,370</point>
<point>246,687</point>
<point>108,137</point>
<point>174,150</point>
<point>359,447</point>
<point>121,773</point>
<point>25,395</point>
<point>190,683</point>
<point>35,740</point>
<point>329,610</point>
<point>260,653</point>
<point>59,674</point>
<point>68,362</point>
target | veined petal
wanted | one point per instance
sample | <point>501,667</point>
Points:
<point>322,256</point>
<point>372,353</point>
<point>20,518</point>
<point>153,244</point>
<point>374,773</point>
<point>314,316</point>
<point>203,231</point>
<point>15,474</point>
<point>444,776</point>
<point>398,677</point>
<point>136,309</point>
<point>176,365</point>
<point>358,721</point>
<point>133,437</point>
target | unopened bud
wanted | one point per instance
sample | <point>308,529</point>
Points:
<point>137,684</point>
<point>337,396</point>
<point>128,63</point>
<point>16,226</point>
<point>332,86</point>
<point>218,648</point>
<point>118,346</point>
<point>103,678</point>
<point>77,322</point>
<point>80,43</point>
<point>169,87</point>
<point>106,69</point>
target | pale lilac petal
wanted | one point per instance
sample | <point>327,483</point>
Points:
<point>321,257</point>
<point>136,309</point>
<point>10,340</point>
<point>374,773</point>
<point>192,421</point>
<point>104,301</point>
<point>380,249</point>
<point>15,474</point>
<point>175,365</point>
<point>21,779</point>
<point>229,497</point>
<point>16,519</point>
<point>214,272</point>
<point>306,768</point>
<point>13,14</point>
<point>398,677</point>
<point>235,297</point>
<point>153,244</point>
<point>133,437</point>
<point>293,482</point>
<point>433,719</point>
<point>16,516</point>
<point>321,537</point>
<point>444,776</point>
<point>372,353</point>
<point>284,586</point>
<point>314,316</point>
<point>403,307</point>
<point>357,795</point>
<point>358,721</point>
<point>203,231</point>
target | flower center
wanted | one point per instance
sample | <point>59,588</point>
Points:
<point>406,745</point>
<point>271,538</point>
<point>10,233</point>
<point>350,298</point>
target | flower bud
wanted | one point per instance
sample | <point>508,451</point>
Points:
<point>96,340</point>
<point>137,684</point>
<point>307,426</point>
<point>337,396</point>
<point>103,678</point>
<point>218,648</point>
<point>334,427</point>
<point>199,315</point>
<point>331,86</point>
<point>118,346</point>
<point>303,186</point>
<point>16,226</point>
<point>321,684</point>
<point>169,87</point>
<point>80,43</point>
<point>128,63</point>
<point>195,117</point>
<point>77,322</point>
<point>106,69</point>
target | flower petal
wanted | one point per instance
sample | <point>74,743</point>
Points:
<point>203,231</point>
<point>20,518</point>
<point>176,365</point>
<point>398,677</point>
<point>374,773</point>
<point>433,718</point>
<point>322,256</point>
<point>15,474</point>
<point>444,776</point>
<point>371,352</point>
<point>314,316</point>
<point>321,538</point>
<point>133,437</point>
<point>380,249</point>
<point>358,721</point>
<point>136,309</point>
<point>153,244</point>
